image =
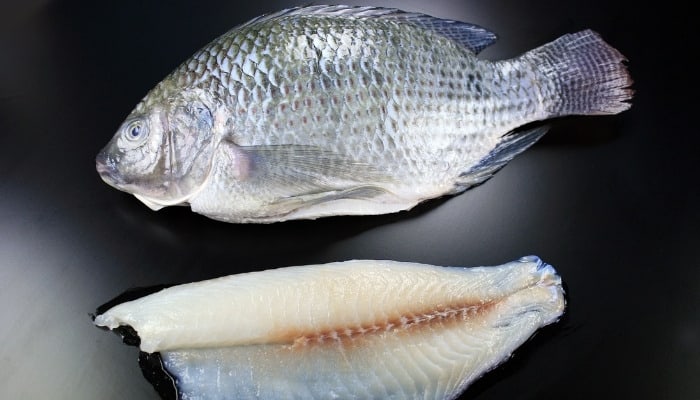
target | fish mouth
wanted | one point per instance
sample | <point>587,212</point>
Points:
<point>108,172</point>
<point>106,167</point>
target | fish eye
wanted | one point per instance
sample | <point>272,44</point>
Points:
<point>135,130</point>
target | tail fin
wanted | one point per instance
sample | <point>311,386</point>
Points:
<point>588,74</point>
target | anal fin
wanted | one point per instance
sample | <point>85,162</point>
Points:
<point>512,144</point>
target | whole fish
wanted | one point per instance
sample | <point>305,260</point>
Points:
<point>349,330</point>
<point>330,110</point>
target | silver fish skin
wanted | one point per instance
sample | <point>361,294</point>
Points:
<point>338,110</point>
<point>358,329</point>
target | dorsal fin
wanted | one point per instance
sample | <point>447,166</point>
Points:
<point>473,37</point>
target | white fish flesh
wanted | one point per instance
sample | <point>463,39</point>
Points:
<point>348,330</point>
<point>338,110</point>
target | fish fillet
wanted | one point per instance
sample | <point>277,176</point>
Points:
<point>348,330</point>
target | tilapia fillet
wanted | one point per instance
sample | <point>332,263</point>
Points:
<point>337,110</point>
<point>348,330</point>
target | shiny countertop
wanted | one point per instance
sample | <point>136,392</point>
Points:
<point>610,201</point>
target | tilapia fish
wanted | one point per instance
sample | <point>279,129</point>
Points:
<point>338,110</point>
<point>348,330</point>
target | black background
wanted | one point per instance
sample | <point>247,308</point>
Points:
<point>611,202</point>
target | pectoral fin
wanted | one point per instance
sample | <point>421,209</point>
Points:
<point>302,169</point>
<point>292,178</point>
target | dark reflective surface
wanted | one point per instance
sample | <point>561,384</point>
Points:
<point>611,202</point>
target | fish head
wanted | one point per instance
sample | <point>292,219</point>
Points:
<point>161,153</point>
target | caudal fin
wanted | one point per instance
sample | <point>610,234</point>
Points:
<point>589,75</point>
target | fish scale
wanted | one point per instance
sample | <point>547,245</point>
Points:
<point>285,106</point>
<point>335,45</point>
